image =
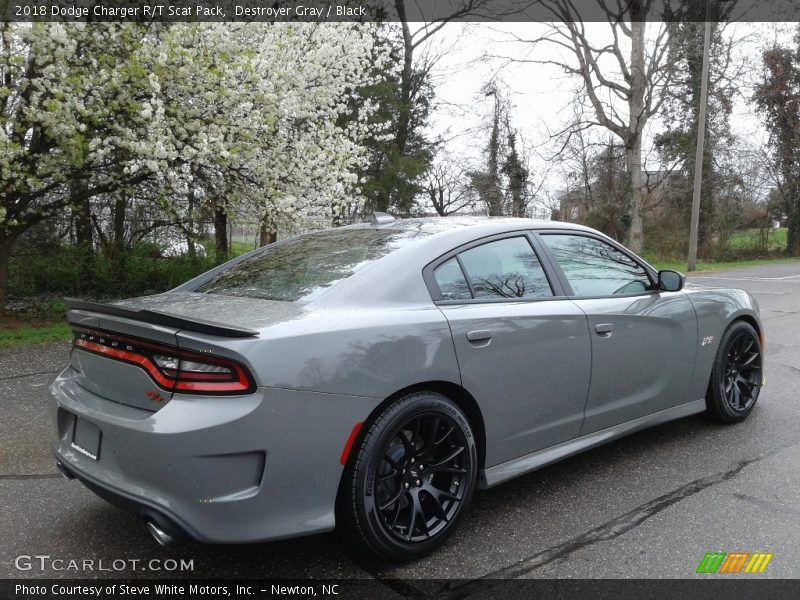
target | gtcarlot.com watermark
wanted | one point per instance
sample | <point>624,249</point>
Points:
<point>46,562</point>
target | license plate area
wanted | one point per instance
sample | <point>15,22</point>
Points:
<point>86,438</point>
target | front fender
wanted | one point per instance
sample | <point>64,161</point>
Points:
<point>716,309</point>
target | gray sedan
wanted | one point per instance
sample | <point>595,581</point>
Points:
<point>371,377</point>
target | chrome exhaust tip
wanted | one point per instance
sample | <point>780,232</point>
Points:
<point>63,470</point>
<point>159,535</point>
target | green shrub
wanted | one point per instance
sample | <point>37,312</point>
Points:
<point>141,270</point>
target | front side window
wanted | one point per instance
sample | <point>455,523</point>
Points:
<point>506,268</point>
<point>595,268</point>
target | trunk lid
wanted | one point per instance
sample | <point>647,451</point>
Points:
<point>121,350</point>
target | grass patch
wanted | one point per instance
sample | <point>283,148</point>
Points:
<point>711,266</point>
<point>15,333</point>
<point>750,239</point>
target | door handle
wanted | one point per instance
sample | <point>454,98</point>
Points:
<point>478,335</point>
<point>604,329</point>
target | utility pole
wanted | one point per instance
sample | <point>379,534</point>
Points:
<point>701,135</point>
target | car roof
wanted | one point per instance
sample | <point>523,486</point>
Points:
<point>396,277</point>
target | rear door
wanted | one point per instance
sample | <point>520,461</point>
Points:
<point>644,341</point>
<point>523,349</point>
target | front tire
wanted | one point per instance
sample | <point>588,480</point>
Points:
<point>737,374</point>
<point>412,478</point>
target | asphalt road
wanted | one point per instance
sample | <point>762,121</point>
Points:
<point>650,505</point>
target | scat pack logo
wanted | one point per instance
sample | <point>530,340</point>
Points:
<point>734,562</point>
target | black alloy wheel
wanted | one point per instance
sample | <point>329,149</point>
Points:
<point>422,477</point>
<point>413,477</point>
<point>737,375</point>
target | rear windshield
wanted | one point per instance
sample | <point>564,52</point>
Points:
<point>300,269</point>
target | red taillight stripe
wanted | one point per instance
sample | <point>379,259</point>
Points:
<point>210,388</point>
<point>350,441</point>
<point>169,379</point>
<point>129,357</point>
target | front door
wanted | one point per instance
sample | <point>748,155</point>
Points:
<point>644,341</point>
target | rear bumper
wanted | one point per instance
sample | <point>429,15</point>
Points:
<point>217,469</point>
<point>170,524</point>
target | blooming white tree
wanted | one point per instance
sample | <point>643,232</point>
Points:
<point>72,114</point>
<point>277,130</point>
<point>311,126</point>
<point>258,118</point>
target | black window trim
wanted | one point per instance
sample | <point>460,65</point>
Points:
<point>550,274</point>
<point>570,293</point>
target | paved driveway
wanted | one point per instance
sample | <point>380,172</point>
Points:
<point>650,505</point>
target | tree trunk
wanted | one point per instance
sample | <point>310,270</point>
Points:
<point>118,254</point>
<point>633,146</point>
<point>266,234</point>
<point>404,116</point>
<point>84,234</point>
<point>793,223</point>
<point>494,196</point>
<point>221,231</point>
<point>5,255</point>
<point>191,252</point>
<point>705,230</point>
<point>337,215</point>
<point>635,191</point>
<point>120,212</point>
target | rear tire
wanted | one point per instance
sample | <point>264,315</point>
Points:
<point>736,376</point>
<point>411,479</point>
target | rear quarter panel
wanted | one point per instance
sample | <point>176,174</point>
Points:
<point>360,351</point>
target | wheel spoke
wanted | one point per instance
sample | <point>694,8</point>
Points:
<point>749,361</point>
<point>728,385</point>
<point>447,469</point>
<point>432,437</point>
<point>395,498</point>
<point>389,475</point>
<point>737,396</point>
<point>424,521</point>
<point>413,520</point>
<point>448,495</point>
<point>746,348</point>
<point>396,515</point>
<point>450,457</point>
<point>407,445</point>
<point>751,384</point>
<point>729,393</point>
<point>444,437</point>
<point>438,509</point>
<point>417,436</point>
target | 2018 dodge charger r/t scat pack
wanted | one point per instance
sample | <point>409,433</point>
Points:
<point>371,377</point>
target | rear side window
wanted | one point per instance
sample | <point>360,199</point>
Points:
<point>506,268</point>
<point>302,268</point>
<point>596,268</point>
<point>450,279</point>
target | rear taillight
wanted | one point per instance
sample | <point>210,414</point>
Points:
<point>171,368</point>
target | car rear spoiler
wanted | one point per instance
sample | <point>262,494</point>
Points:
<point>161,318</point>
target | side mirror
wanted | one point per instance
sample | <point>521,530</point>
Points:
<point>670,281</point>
